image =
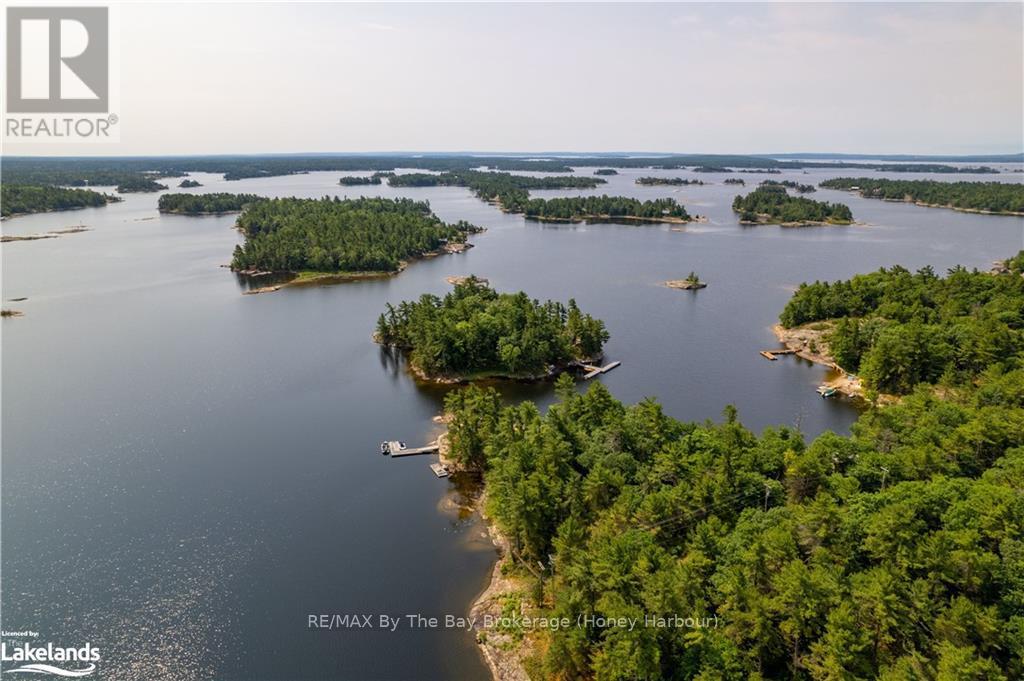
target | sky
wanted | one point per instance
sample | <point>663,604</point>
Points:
<point>923,78</point>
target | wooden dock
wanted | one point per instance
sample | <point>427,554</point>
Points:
<point>597,371</point>
<point>770,354</point>
<point>440,470</point>
<point>396,449</point>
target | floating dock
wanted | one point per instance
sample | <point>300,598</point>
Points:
<point>770,354</point>
<point>440,470</point>
<point>597,371</point>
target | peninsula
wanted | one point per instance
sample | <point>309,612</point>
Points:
<point>22,199</point>
<point>988,198</point>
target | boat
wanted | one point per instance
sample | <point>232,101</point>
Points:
<point>826,390</point>
<point>392,446</point>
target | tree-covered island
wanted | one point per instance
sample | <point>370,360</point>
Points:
<point>671,181</point>
<point>489,186</point>
<point>139,184</point>
<point>475,332</point>
<point>512,194</point>
<point>997,198</point>
<point>598,208</point>
<point>334,237</point>
<point>359,180</point>
<point>205,204</point>
<point>21,199</point>
<point>770,204</point>
<point>606,171</point>
<point>790,184</point>
<point>189,183</point>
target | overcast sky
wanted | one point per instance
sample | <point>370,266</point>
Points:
<point>734,78</point>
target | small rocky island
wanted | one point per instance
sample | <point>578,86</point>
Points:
<point>691,283</point>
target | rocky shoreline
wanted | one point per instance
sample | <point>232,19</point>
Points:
<point>322,278</point>
<point>503,653</point>
<point>809,342</point>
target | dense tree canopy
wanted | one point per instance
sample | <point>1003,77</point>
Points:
<point>772,204</point>
<point>672,181</point>
<point>576,208</point>
<point>21,198</point>
<point>476,331</point>
<point>606,171</point>
<point>332,235</point>
<point>800,188</point>
<point>897,328</point>
<point>359,180</point>
<point>994,197</point>
<point>138,184</point>
<point>199,204</point>
<point>734,180</point>
<point>512,193</point>
<point>189,183</point>
<point>490,185</point>
<point>897,553</point>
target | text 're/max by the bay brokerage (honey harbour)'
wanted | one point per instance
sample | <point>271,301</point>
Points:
<point>417,621</point>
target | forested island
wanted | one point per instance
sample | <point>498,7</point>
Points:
<point>773,205</point>
<point>189,183</point>
<point>357,180</point>
<point>892,553</point>
<point>205,204</point>
<point>672,181</point>
<point>606,171</point>
<point>331,236</point>
<point>138,185</point>
<point>580,208</point>
<point>999,198</point>
<point>21,199</point>
<point>511,192</point>
<point>475,332</point>
<point>734,180</point>
<point>490,186</point>
<point>790,184</point>
<point>712,169</point>
<point>897,329</point>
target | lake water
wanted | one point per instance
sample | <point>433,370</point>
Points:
<point>189,472</point>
